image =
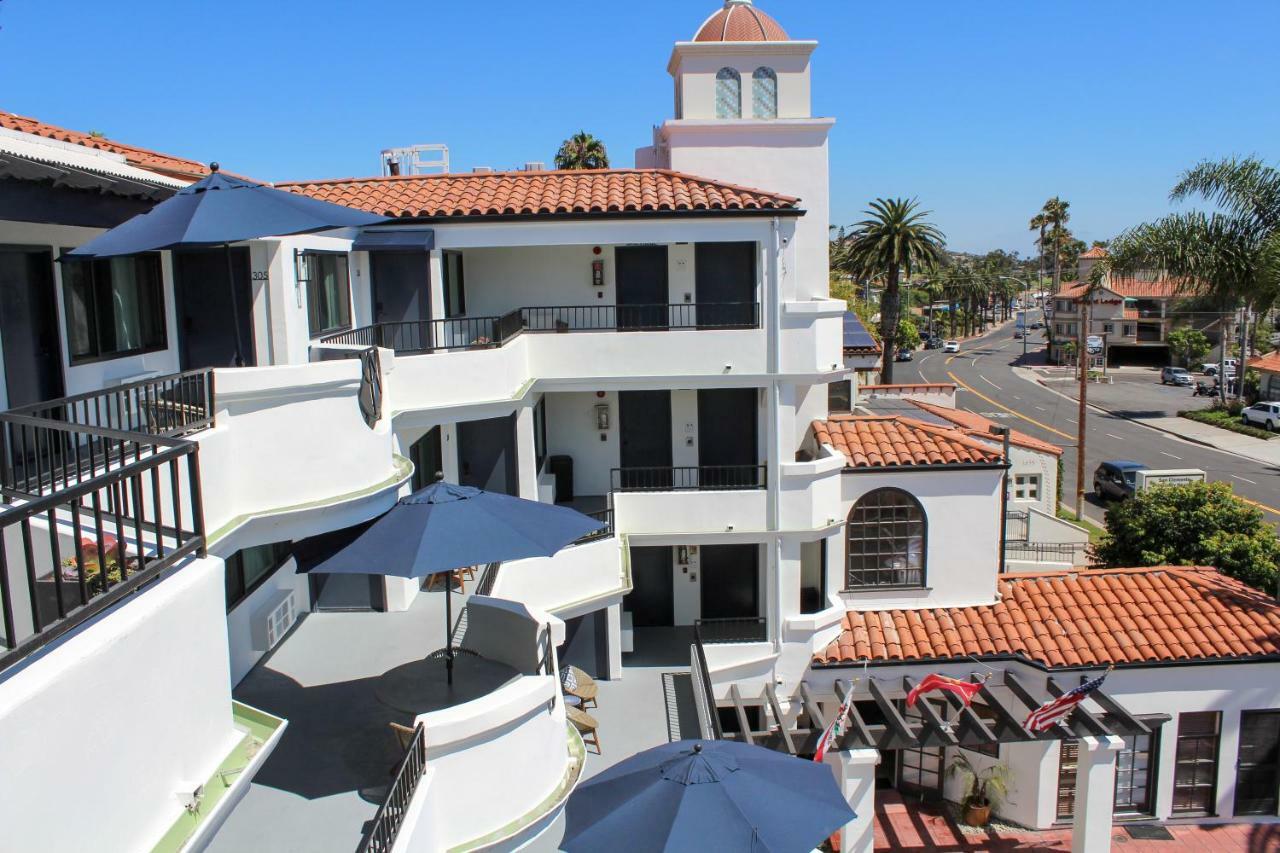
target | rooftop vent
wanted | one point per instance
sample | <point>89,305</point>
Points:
<point>432,159</point>
<point>483,170</point>
<point>535,166</point>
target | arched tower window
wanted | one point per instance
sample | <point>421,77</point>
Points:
<point>764,93</point>
<point>728,93</point>
<point>886,536</point>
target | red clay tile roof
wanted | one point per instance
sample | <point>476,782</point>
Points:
<point>1269,362</point>
<point>1094,253</point>
<point>1131,288</point>
<point>740,21</point>
<point>881,442</point>
<point>1078,618</point>
<point>977,426</point>
<point>540,193</point>
<point>165,164</point>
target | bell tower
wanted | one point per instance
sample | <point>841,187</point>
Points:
<point>743,114</point>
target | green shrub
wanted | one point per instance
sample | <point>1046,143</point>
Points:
<point>1225,419</point>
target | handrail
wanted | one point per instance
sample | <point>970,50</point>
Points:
<point>704,695</point>
<point>738,629</point>
<point>605,515</point>
<point>386,823</point>
<point>1039,552</point>
<point>702,478</point>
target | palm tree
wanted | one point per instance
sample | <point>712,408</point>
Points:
<point>1040,222</point>
<point>1056,215</point>
<point>895,238</point>
<point>582,151</point>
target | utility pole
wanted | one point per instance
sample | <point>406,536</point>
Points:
<point>1082,362</point>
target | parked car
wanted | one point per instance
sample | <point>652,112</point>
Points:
<point>933,343</point>
<point>1117,478</point>
<point>1265,415</point>
<point>1037,325</point>
<point>903,355</point>
<point>1211,368</point>
<point>951,346</point>
<point>1175,376</point>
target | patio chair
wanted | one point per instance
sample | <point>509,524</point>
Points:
<point>586,726</point>
<point>458,575</point>
<point>404,736</point>
<point>575,682</point>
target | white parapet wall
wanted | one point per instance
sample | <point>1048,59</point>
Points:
<point>580,576</point>
<point>135,705</point>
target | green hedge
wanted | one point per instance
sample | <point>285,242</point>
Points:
<point>1225,420</point>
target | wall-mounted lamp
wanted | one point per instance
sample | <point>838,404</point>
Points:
<point>602,416</point>
<point>301,273</point>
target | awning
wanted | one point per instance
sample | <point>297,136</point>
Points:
<point>399,240</point>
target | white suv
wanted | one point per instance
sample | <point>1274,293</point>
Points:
<point>1265,415</point>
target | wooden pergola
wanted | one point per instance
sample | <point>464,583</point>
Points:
<point>963,726</point>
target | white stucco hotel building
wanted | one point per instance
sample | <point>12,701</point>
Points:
<point>653,345</point>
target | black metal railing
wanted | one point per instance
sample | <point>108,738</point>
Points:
<point>1075,553</point>
<point>703,478</point>
<point>38,454</point>
<point>1016,525</point>
<point>94,531</point>
<point>487,579</point>
<point>703,693</point>
<point>459,333</point>
<point>390,815</point>
<point>744,629</point>
<point>605,515</point>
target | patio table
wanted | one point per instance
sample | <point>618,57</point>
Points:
<point>421,686</point>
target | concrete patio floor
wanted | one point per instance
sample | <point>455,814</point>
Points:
<point>329,774</point>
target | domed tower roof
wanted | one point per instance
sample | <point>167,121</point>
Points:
<point>739,20</point>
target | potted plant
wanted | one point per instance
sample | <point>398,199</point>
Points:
<point>94,563</point>
<point>984,789</point>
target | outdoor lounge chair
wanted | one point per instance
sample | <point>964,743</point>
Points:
<point>586,726</point>
<point>404,736</point>
<point>577,683</point>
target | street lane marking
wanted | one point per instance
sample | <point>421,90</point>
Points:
<point>1116,437</point>
<point>1245,480</point>
<point>1042,408</point>
<point>1005,408</point>
<point>1260,506</point>
<point>1171,456</point>
<point>989,382</point>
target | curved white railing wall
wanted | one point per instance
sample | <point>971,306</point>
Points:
<point>578,574</point>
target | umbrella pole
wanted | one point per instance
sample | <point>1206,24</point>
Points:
<point>235,311</point>
<point>448,627</point>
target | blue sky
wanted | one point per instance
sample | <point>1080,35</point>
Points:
<point>981,109</point>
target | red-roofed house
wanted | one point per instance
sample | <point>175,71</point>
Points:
<point>1268,367</point>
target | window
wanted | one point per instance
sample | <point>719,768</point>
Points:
<point>1128,330</point>
<point>114,307</point>
<point>886,541</point>
<point>839,396</point>
<point>728,93</point>
<point>1195,772</point>
<point>455,298</point>
<point>764,93</point>
<point>1108,328</point>
<point>1136,774</point>
<point>540,433</point>
<point>813,576</point>
<point>328,292</point>
<point>1026,487</point>
<point>249,567</point>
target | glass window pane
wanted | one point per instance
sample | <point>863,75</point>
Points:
<point>764,93</point>
<point>728,94</point>
<point>77,290</point>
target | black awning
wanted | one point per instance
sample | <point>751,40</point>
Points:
<point>399,240</point>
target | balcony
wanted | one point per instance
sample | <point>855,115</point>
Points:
<point>703,478</point>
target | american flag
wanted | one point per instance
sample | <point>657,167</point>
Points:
<point>1056,710</point>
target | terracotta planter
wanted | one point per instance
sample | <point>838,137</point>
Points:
<point>977,815</point>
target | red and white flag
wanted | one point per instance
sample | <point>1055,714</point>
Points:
<point>966,690</point>
<point>835,729</point>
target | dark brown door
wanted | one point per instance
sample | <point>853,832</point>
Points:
<point>210,327</point>
<point>730,582</point>
<point>725,281</point>
<point>651,601</point>
<point>401,298</point>
<point>640,278</point>
<point>1258,763</point>
<point>920,770</point>
<point>728,455</point>
<point>29,326</point>
<point>1195,774</point>
<point>644,424</point>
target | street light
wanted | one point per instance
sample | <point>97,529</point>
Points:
<point>1026,287</point>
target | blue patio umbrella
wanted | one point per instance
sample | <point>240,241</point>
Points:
<point>219,210</point>
<point>445,527</point>
<point>706,796</point>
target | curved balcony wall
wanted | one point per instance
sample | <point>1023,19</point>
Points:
<point>809,492</point>
<point>579,578</point>
<point>709,512</point>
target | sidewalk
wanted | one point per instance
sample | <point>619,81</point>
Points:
<point>1127,403</point>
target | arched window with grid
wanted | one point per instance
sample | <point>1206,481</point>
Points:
<point>728,93</point>
<point>764,93</point>
<point>886,537</point>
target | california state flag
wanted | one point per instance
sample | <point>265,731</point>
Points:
<point>835,730</point>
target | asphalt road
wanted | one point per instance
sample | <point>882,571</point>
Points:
<point>983,372</point>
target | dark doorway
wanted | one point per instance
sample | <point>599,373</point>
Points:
<point>29,326</point>
<point>651,601</point>
<point>347,592</point>
<point>427,456</point>
<point>401,298</point>
<point>730,581</point>
<point>920,770</point>
<point>727,454</point>
<point>725,281</point>
<point>644,419</point>
<point>1195,772</point>
<point>1258,767</point>
<point>487,455</point>
<point>455,294</point>
<point>207,332</point>
<point>640,276</point>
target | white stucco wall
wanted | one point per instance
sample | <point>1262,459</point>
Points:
<point>135,706</point>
